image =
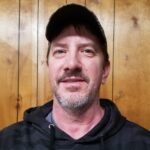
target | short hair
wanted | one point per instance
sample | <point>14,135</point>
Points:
<point>77,16</point>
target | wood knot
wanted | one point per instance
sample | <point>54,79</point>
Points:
<point>19,100</point>
<point>135,21</point>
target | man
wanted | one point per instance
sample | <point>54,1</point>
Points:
<point>76,119</point>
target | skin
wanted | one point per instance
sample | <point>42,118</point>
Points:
<point>76,72</point>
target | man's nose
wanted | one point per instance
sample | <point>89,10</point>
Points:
<point>73,62</point>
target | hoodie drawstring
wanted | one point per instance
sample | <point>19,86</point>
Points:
<point>52,136</point>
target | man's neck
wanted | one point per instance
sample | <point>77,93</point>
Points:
<point>74,124</point>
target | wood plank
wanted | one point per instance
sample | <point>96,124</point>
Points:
<point>105,13</point>
<point>28,56</point>
<point>8,61</point>
<point>81,2</point>
<point>45,11</point>
<point>132,60</point>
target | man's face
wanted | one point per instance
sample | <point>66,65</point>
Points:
<point>76,68</point>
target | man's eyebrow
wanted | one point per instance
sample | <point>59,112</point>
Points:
<point>59,45</point>
<point>82,45</point>
<point>86,44</point>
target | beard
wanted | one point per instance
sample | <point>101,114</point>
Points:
<point>77,102</point>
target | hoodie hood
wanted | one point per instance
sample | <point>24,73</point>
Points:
<point>111,123</point>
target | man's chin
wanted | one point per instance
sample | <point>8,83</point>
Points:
<point>73,101</point>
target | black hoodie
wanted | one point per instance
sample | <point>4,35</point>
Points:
<point>113,132</point>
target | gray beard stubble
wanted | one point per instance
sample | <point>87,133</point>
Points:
<point>82,104</point>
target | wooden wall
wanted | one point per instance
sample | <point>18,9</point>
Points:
<point>23,46</point>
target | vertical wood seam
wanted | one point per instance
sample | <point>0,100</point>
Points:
<point>18,88</point>
<point>113,53</point>
<point>37,95</point>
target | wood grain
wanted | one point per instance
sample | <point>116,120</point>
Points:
<point>45,10</point>
<point>105,13</point>
<point>132,60</point>
<point>27,56</point>
<point>23,47</point>
<point>8,61</point>
<point>81,2</point>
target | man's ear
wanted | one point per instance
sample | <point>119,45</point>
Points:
<point>106,70</point>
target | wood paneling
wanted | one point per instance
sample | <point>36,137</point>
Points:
<point>27,56</point>
<point>46,8</point>
<point>132,60</point>
<point>81,2</point>
<point>105,12</point>
<point>23,47</point>
<point>8,61</point>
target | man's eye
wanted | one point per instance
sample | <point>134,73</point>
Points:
<point>59,53</point>
<point>88,52</point>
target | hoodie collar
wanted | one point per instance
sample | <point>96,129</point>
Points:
<point>108,126</point>
<point>111,123</point>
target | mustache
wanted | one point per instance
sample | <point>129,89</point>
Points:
<point>74,73</point>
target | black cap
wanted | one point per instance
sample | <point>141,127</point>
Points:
<point>77,16</point>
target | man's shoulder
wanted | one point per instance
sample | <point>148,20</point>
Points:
<point>134,132</point>
<point>16,131</point>
<point>135,128</point>
<point>16,136</point>
<point>13,129</point>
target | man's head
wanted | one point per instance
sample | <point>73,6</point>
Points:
<point>77,16</point>
<point>77,57</point>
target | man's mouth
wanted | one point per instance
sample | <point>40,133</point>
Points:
<point>73,83</point>
<point>73,79</point>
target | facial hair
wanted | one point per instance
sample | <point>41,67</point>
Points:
<point>76,102</point>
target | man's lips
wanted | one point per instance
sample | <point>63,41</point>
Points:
<point>73,84</point>
<point>72,79</point>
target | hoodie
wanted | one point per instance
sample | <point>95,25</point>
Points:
<point>36,132</point>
